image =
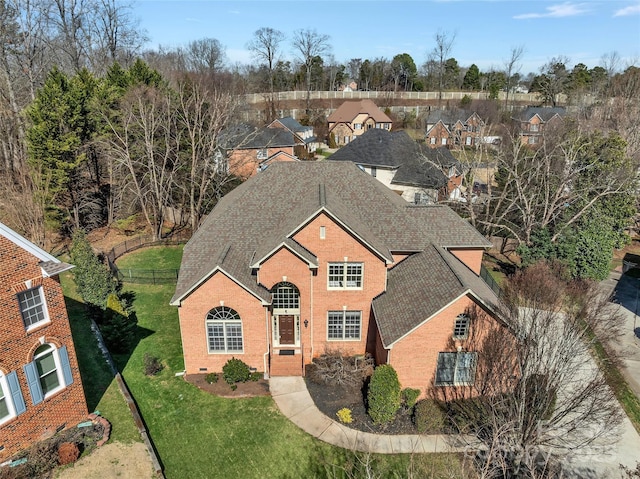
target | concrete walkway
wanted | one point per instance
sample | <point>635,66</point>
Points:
<point>293,400</point>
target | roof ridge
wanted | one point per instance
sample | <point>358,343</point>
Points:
<point>455,273</point>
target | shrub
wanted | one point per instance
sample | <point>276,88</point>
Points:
<point>68,452</point>
<point>344,415</point>
<point>383,397</point>
<point>409,397</point>
<point>428,417</point>
<point>118,327</point>
<point>256,376</point>
<point>211,378</point>
<point>152,365</point>
<point>333,368</point>
<point>235,371</point>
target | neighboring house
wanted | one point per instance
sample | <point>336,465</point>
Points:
<point>532,122</point>
<point>453,129</point>
<point>420,175</point>
<point>312,257</point>
<point>247,149</point>
<point>40,388</point>
<point>306,141</point>
<point>353,118</point>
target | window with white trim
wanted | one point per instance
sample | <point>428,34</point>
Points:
<point>345,275</point>
<point>33,307</point>
<point>48,368</point>
<point>285,296</point>
<point>461,327</point>
<point>432,140</point>
<point>456,369</point>
<point>344,325</point>
<point>224,331</point>
<point>7,410</point>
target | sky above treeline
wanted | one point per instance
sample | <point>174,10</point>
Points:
<point>485,30</point>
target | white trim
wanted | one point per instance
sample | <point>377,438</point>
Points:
<point>56,359</point>
<point>274,250</point>
<point>344,318</point>
<point>45,309</point>
<point>4,387</point>
<point>26,244</point>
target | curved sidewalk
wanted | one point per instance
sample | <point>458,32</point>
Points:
<point>294,401</point>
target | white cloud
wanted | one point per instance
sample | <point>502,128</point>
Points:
<point>557,11</point>
<point>630,10</point>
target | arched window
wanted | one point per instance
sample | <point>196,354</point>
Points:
<point>224,330</point>
<point>285,296</point>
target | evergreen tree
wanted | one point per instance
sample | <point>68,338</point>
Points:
<point>471,79</point>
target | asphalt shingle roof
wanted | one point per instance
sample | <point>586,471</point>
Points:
<point>415,165</point>
<point>247,137</point>
<point>263,214</point>
<point>544,112</point>
<point>350,109</point>
<point>448,117</point>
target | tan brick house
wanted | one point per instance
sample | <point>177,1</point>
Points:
<point>353,118</point>
<point>40,387</point>
<point>310,257</point>
<point>453,129</point>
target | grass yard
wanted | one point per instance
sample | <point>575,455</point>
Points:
<point>153,257</point>
<point>198,435</point>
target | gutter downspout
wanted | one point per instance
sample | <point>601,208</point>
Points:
<point>311,311</point>
<point>264,357</point>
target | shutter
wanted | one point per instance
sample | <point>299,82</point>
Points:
<point>66,367</point>
<point>16,393</point>
<point>33,381</point>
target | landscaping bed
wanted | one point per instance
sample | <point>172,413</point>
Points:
<point>222,389</point>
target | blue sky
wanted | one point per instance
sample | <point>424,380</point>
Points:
<point>486,30</point>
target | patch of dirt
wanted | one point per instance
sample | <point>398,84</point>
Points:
<point>222,389</point>
<point>331,398</point>
<point>111,461</point>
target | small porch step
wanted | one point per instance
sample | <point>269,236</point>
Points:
<point>285,364</point>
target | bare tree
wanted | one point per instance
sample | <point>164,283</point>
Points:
<point>538,394</point>
<point>206,55</point>
<point>307,44</point>
<point>512,66</point>
<point>553,79</point>
<point>146,143</point>
<point>68,18</point>
<point>265,48</point>
<point>204,114</point>
<point>440,54</point>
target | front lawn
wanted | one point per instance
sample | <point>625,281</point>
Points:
<point>198,435</point>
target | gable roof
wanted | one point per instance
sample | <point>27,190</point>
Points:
<point>350,109</point>
<point>266,211</point>
<point>449,117</point>
<point>51,266</point>
<point>405,306</point>
<point>545,113</point>
<point>415,164</point>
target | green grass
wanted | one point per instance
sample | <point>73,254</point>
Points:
<point>154,257</point>
<point>100,388</point>
<point>198,435</point>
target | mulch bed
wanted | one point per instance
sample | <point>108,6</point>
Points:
<point>222,389</point>
<point>331,398</point>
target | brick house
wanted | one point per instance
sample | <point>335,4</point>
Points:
<point>245,150</point>
<point>532,122</point>
<point>312,257</point>
<point>353,118</point>
<point>420,175</point>
<point>40,387</point>
<point>453,129</point>
<point>306,141</point>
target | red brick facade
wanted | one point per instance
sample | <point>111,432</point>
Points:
<point>59,410</point>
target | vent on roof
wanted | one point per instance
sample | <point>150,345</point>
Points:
<point>322,196</point>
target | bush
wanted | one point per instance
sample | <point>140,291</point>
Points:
<point>409,397</point>
<point>68,452</point>
<point>383,397</point>
<point>235,371</point>
<point>332,368</point>
<point>152,365</point>
<point>256,376</point>
<point>428,417</point>
<point>118,327</point>
<point>344,415</point>
<point>211,378</point>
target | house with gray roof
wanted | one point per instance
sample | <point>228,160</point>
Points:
<point>532,123</point>
<point>453,129</point>
<point>310,257</point>
<point>420,175</point>
<point>306,141</point>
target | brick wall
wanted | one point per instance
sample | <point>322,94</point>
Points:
<point>471,257</point>
<point>63,409</point>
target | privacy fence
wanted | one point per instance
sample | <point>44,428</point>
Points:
<point>144,276</point>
